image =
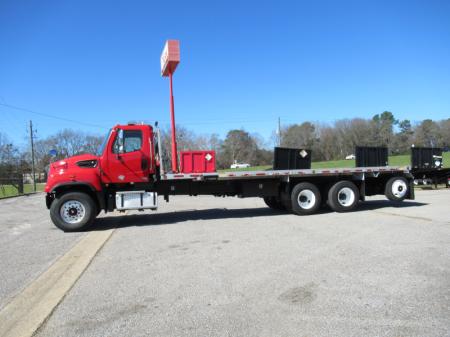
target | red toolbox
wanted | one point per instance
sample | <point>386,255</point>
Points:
<point>197,161</point>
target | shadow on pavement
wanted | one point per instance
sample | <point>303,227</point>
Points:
<point>146,219</point>
<point>154,219</point>
<point>376,204</point>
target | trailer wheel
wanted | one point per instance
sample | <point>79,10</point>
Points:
<point>274,203</point>
<point>343,196</point>
<point>73,211</point>
<point>396,189</point>
<point>305,199</point>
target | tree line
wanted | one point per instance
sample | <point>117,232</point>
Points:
<point>335,141</point>
<point>327,141</point>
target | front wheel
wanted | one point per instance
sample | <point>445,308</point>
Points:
<point>73,211</point>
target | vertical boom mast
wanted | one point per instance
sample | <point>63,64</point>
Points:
<point>170,58</point>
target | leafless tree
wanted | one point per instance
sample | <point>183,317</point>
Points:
<point>427,134</point>
<point>66,143</point>
<point>403,139</point>
<point>327,145</point>
<point>298,135</point>
<point>239,146</point>
<point>444,132</point>
<point>12,164</point>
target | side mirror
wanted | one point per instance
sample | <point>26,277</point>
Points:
<point>120,142</point>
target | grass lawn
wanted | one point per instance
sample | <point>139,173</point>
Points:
<point>9,190</point>
<point>403,160</point>
<point>251,168</point>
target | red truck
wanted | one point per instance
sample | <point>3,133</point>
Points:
<point>127,174</point>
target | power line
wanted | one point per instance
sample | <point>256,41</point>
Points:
<point>201,122</point>
<point>13,121</point>
<point>51,116</point>
<point>231,120</point>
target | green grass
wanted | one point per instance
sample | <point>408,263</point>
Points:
<point>333,164</point>
<point>446,159</point>
<point>251,168</point>
<point>402,160</point>
<point>9,190</point>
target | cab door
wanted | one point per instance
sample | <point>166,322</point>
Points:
<point>128,161</point>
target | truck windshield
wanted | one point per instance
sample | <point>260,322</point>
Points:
<point>103,145</point>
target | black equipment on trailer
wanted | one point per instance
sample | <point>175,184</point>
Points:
<point>367,156</point>
<point>285,158</point>
<point>426,157</point>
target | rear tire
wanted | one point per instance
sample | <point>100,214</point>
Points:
<point>397,189</point>
<point>73,211</point>
<point>274,203</point>
<point>343,196</point>
<point>305,199</point>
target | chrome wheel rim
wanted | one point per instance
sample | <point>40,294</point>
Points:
<point>306,199</point>
<point>72,211</point>
<point>346,197</point>
<point>399,188</point>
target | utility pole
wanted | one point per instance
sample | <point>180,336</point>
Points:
<point>279,131</point>
<point>32,156</point>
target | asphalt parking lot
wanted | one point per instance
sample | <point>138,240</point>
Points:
<point>210,266</point>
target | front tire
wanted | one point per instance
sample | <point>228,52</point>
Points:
<point>343,196</point>
<point>73,211</point>
<point>305,199</point>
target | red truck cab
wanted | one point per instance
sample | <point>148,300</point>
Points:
<point>126,157</point>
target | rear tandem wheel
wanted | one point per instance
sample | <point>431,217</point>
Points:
<point>274,203</point>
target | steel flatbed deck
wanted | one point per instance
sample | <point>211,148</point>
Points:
<point>371,171</point>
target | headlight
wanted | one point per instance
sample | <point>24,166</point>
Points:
<point>60,165</point>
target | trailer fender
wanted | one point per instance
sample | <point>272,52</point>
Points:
<point>411,195</point>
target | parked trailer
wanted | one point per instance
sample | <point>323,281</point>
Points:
<point>431,176</point>
<point>127,174</point>
<point>427,166</point>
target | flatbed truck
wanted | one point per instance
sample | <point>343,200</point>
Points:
<point>127,173</point>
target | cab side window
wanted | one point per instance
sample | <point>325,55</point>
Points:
<point>132,141</point>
